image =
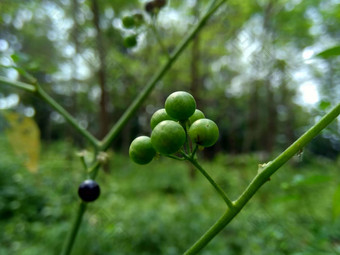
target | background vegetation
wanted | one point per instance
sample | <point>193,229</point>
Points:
<point>253,70</point>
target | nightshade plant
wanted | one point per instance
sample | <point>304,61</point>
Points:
<point>183,126</point>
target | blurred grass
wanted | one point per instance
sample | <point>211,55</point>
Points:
<point>159,209</point>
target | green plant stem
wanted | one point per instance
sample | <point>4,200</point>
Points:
<point>74,230</point>
<point>18,84</point>
<point>261,178</point>
<point>113,133</point>
<point>48,99</point>
<point>158,37</point>
<point>67,116</point>
<point>193,153</point>
<point>212,182</point>
<point>175,157</point>
<point>186,145</point>
<point>94,170</point>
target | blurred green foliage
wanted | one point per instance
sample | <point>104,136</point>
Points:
<point>159,209</point>
<point>247,60</point>
<point>245,68</point>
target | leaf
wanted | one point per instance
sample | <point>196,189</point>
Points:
<point>331,52</point>
<point>336,203</point>
<point>323,105</point>
<point>24,137</point>
<point>15,57</point>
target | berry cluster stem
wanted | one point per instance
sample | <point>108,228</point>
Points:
<point>74,230</point>
<point>154,29</point>
<point>226,199</point>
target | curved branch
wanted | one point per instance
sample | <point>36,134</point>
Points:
<point>262,178</point>
<point>18,84</point>
<point>36,89</point>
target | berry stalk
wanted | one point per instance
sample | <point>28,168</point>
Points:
<point>74,230</point>
<point>226,199</point>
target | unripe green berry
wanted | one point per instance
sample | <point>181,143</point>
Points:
<point>158,117</point>
<point>130,41</point>
<point>138,19</point>
<point>141,150</point>
<point>180,105</point>
<point>196,116</point>
<point>128,21</point>
<point>204,132</point>
<point>168,137</point>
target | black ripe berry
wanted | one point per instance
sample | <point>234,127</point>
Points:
<point>150,7</point>
<point>88,190</point>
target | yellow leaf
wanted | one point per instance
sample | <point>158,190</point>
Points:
<point>24,137</point>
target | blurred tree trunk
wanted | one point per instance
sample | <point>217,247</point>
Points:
<point>252,119</point>
<point>75,39</point>
<point>287,103</point>
<point>268,135</point>
<point>195,85</point>
<point>103,114</point>
<point>269,131</point>
<point>232,134</point>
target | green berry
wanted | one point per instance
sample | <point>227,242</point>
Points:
<point>204,132</point>
<point>158,117</point>
<point>128,21</point>
<point>168,137</point>
<point>196,116</point>
<point>180,105</point>
<point>130,41</point>
<point>141,150</point>
<point>138,19</point>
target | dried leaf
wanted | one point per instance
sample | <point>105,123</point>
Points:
<point>24,137</point>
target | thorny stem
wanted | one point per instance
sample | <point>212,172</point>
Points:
<point>261,178</point>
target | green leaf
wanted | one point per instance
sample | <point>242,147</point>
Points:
<point>15,57</point>
<point>324,105</point>
<point>331,52</point>
<point>336,203</point>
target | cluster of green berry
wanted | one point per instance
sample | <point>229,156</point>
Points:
<point>136,20</point>
<point>172,127</point>
<point>131,22</point>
